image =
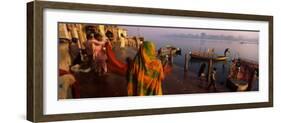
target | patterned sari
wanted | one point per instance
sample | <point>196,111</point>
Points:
<point>145,72</point>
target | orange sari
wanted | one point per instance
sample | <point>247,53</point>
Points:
<point>146,72</point>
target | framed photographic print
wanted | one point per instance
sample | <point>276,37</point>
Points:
<point>97,61</point>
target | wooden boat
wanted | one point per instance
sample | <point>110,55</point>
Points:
<point>208,57</point>
<point>168,49</point>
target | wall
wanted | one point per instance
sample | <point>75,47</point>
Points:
<point>13,60</point>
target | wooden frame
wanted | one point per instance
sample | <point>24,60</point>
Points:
<point>35,60</point>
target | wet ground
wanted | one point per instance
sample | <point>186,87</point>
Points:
<point>113,85</point>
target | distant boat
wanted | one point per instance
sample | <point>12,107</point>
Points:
<point>247,42</point>
<point>208,57</point>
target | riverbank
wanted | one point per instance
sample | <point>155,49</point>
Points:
<point>114,85</point>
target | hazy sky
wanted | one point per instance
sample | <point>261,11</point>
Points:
<point>158,33</point>
<point>176,37</point>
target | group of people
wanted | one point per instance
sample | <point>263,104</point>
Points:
<point>213,72</point>
<point>72,60</point>
<point>144,73</point>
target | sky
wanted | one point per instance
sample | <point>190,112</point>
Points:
<point>162,36</point>
<point>160,33</point>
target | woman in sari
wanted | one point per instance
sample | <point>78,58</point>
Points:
<point>145,72</point>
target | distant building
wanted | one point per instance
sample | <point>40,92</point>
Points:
<point>118,36</point>
<point>122,35</point>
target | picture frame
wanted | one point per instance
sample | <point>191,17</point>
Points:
<point>36,60</point>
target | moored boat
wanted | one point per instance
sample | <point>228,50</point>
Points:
<point>208,57</point>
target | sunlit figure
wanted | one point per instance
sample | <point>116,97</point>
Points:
<point>146,72</point>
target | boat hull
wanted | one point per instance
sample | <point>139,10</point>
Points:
<point>202,57</point>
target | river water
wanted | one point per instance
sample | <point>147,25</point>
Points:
<point>244,51</point>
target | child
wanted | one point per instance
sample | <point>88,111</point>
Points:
<point>213,79</point>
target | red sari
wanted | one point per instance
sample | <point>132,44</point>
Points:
<point>115,65</point>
